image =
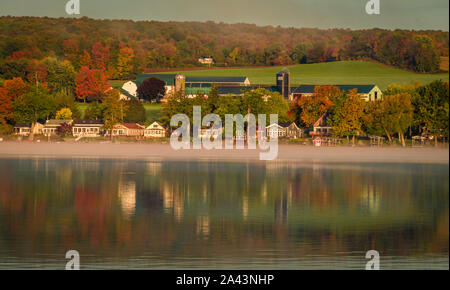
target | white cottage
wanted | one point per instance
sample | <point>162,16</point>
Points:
<point>155,130</point>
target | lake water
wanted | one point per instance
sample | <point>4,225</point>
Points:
<point>125,214</point>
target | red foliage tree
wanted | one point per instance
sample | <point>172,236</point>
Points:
<point>152,89</point>
<point>71,51</point>
<point>8,93</point>
<point>91,84</point>
<point>100,56</point>
<point>37,72</point>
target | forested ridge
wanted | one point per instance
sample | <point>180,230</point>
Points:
<point>125,48</point>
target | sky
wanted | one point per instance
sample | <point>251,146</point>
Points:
<point>394,14</point>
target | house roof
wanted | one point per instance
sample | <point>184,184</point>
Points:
<point>132,126</point>
<point>323,119</point>
<point>224,90</point>
<point>151,126</point>
<point>22,125</point>
<point>309,89</point>
<point>126,93</point>
<point>54,122</point>
<point>169,79</point>
<point>88,122</point>
<point>283,124</point>
<point>218,80</point>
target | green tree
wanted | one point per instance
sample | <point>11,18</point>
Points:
<point>115,109</point>
<point>397,115</point>
<point>346,116</point>
<point>60,76</point>
<point>33,106</point>
<point>431,108</point>
<point>135,112</point>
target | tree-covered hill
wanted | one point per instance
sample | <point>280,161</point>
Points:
<point>128,47</point>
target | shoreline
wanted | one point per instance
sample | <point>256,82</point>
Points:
<point>286,153</point>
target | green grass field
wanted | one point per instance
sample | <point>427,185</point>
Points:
<point>151,111</point>
<point>339,73</point>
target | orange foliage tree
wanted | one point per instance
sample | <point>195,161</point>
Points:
<point>91,84</point>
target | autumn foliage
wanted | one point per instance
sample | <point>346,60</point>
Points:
<point>91,84</point>
<point>9,92</point>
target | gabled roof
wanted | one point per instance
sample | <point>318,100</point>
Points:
<point>151,126</point>
<point>274,125</point>
<point>127,94</point>
<point>54,122</point>
<point>309,89</point>
<point>324,119</point>
<point>283,124</point>
<point>132,126</point>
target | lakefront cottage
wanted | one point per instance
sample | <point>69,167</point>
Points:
<point>155,130</point>
<point>87,128</point>
<point>284,130</point>
<point>128,130</point>
<point>321,127</point>
<point>51,126</point>
<point>24,129</point>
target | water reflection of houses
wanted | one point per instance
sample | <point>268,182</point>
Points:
<point>127,197</point>
<point>203,226</point>
<point>370,198</point>
<point>173,200</point>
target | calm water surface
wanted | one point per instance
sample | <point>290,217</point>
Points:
<point>122,214</point>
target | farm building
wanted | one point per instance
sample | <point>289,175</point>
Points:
<point>206,60</point>
<point>191,85</point>
<point>238,85</point>
<point>367,92</point>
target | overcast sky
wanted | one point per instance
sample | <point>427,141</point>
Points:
<point>406,14</point>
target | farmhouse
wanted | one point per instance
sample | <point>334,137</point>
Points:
<point>87,128</point>
<point>24,129</point>
<point>51,126</point>
<point>206,60</point>
<point>155,130</point>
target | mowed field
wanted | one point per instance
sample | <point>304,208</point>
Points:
<point>339,73</point>
<point>151,111</point>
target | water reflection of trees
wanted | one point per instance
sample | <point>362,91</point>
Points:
<point>210,209</point>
